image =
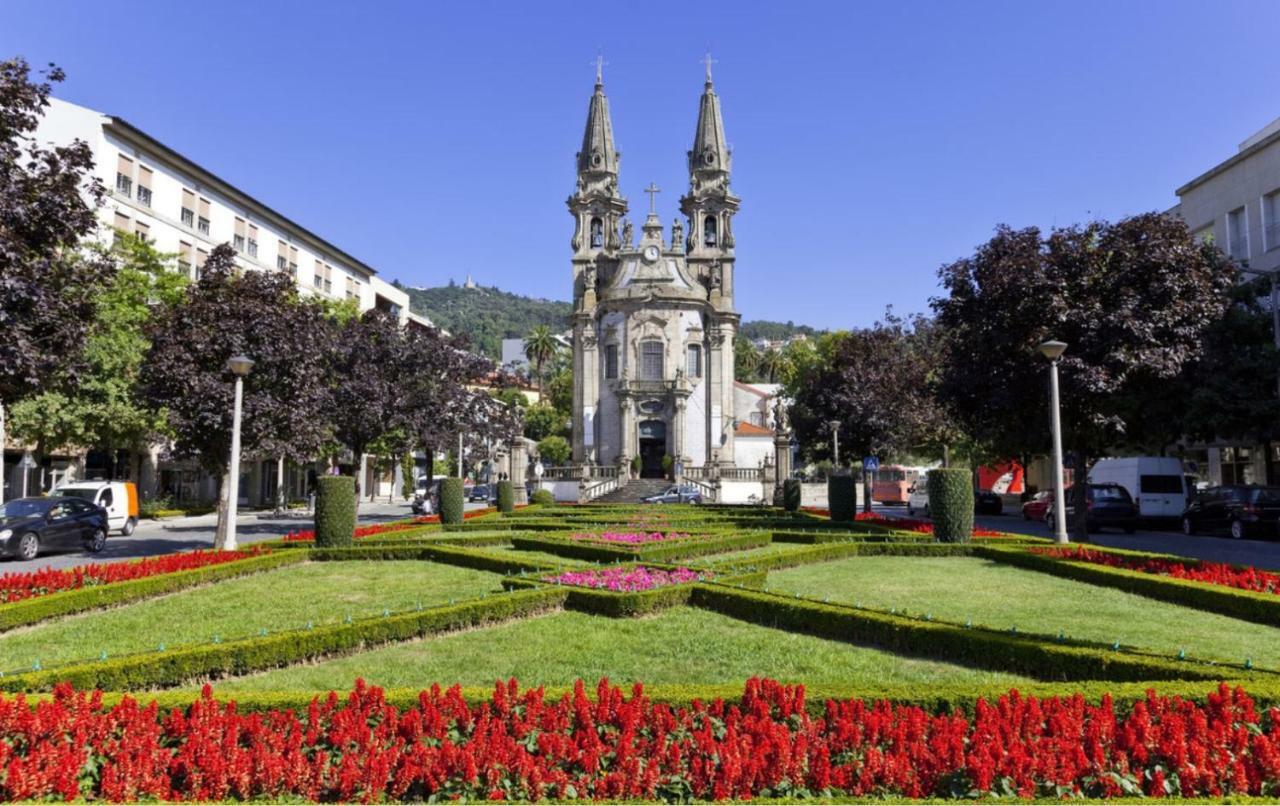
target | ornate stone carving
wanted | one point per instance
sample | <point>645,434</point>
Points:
<point>628,233</point>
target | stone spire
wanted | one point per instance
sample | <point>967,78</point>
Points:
<point>710,158</point>
<point>598,155</point>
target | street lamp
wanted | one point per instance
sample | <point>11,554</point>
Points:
<point>835,442</point>
<point>1053,350</point>
<point>239,366</point>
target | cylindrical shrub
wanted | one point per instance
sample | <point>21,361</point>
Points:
<point>451,500</point>
<point>791,495</point>
<point>335,511</point>
<point>542,497</point>
<point>840,498</point>
<point>506,497</point>
<point>951,504</point>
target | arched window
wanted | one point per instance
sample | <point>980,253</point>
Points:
<point>709,231</point>
<point>651,360</point>
<point>597,233</point>
<point>693,361</point>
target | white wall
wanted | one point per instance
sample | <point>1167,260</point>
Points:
<point>752,451</point>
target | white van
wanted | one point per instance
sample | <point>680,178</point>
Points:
<point>118,498</point>
<point>1155,483</point>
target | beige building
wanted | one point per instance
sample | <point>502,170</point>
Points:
<point>1236,203</point>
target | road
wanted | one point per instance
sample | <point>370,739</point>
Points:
<point>153,538</point>
<point>1162,538</point>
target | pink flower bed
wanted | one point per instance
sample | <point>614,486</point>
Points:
<point>622,580</point>
<point>630,538</point>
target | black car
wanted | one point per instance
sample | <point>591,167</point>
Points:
<point>1240,510</point>
<point>986,502</point>
<point>1107,505</point>
<point>481,492</point>
<point>31,525</point>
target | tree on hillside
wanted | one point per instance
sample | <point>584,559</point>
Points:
<point>540,346</point>
<point>100,408</point>
<point>1132,299</point>
<point>47,283</point>
<point>257,314</point>
<point>772,366</point>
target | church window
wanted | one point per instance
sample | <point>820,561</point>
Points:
<point>709,231</point>
<point>693,361</point>
<point>651,357</point>
<point>611,361</point>
<point>597,233</point>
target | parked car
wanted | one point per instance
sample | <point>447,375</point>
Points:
<point>1155,483</point>
<point>480,492</point>
<point>918,498</point>
<point>985,502</point>
<point>1107,505</point>
<point>684,494</point>
<point>118,498</point>
<point>1037,508</point>
<point>29,526</point>
<point>1240,510</point>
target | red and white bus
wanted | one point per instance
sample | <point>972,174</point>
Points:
<point>893,483</point>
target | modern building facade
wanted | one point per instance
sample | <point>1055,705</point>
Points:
<point>1236,203</point>
<point>654,318</point>
<point>182,208</point>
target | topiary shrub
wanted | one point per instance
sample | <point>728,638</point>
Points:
<point>335,511</point>
<point>840,498</point>
<point>951,504</point>
<point>451,501</point>
<point>506,497</point>
<point>542,497</point>
<point>791,495</point>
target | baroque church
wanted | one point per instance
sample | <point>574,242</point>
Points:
<point>654,319</point>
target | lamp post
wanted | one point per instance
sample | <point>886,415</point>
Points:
<point>239,366</point>
<point>835,442</point>
<point>1053,350</point>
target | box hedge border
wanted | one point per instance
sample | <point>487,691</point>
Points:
<point>979,648</point>
<point>675,549</point>
<point>95,597</point>
<point>626,604</point>
<point>193,662</point>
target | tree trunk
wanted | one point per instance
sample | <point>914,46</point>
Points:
<point>224,490</point>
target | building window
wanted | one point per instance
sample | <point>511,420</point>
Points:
<point>1271,220</point>
<point>1238,233</point>
<point>144,196</point>
<point>124,185</point>
<point>184,258</point>
<point>203,226</point>
<point>144,185</point>
<point>201,257</point>
<point>597,233</point>
<point>651,355</point>
<point>611,361</point>
<point>188,217</point>
<point>709,231</point>
<point>253,248</point>
<point>282,262</point>
<point>693,361</point>
<point>1237,465</point>
<point>143,232</point>
<point>318,281</point>
<point>238,242</point>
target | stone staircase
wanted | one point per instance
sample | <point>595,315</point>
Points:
<point>634,491</point>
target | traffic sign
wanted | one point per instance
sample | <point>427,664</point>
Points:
<point>871,464</point>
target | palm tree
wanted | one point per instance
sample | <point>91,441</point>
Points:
<point>772,364</point>
<point>540,347</point>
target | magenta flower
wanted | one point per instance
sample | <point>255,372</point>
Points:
<point>620,579</point>
<point>630,538</point>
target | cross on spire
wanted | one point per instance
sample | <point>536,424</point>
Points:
<point>652,190</point>
<point>600,63</point>
<point>708,61</point>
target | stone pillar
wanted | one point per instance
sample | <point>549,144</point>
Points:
<point>782,463</point>
<point>627,427</point>
<point>678,435</point>
<point>518,465</point>
<point>722,396</point>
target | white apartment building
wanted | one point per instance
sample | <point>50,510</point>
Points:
<point>184,209</point>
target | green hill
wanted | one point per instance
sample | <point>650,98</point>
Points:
<point>487,315</point>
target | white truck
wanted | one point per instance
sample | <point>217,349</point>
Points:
<point>118,498</point>
<point>1155,483</point>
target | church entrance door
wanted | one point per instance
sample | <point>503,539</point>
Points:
<point>653,447</point>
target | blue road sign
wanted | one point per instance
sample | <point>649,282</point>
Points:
<point>871,464</point>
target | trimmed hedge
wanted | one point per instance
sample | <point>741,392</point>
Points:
<point>1260,608</point>
<point>987,649</point>
<point>628,604</point>
<point>183,664</point>
<point>506,498</point>
<point>791,495</point>
<point>653,552</point>
<point>452,504</point>
<point>542,497</point>
<point>499,563</point>
<point>951,504</point>
<point>828,551</point>
<point>335,510</point>
<point>93,597</point>
<point>833,536</point>
<point>840,498</point>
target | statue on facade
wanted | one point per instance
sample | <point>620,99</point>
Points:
<point>628,233</point>
<point>677,235</point>
<point>589,277</point>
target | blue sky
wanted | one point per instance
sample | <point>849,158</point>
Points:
<point>873,142</point>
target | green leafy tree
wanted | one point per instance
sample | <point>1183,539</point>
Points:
<point>560,390</point>
<point>554,450</point>
<point>1132,299</point>
<point>540,346</point>
<point>746,360</point>
<point>543,421</point>
<point>48,283</point>
<point>772,366</point>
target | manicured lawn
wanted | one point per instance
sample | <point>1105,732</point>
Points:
<point>538,556</point>
<point>745,557</point>
<point>683,645</point>
<point>996,595</point>
<point>322,592</point>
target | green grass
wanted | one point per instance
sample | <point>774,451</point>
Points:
<point>322,592</point>
<point>997,595</point>
<point>745,557</point>
<point>683,645</point>
<point>539,556</point>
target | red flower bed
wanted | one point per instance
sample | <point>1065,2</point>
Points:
<point>18,586</point>
<point>304,535</point>
<point>519,745</point>
<point>1245,578</point>
<point>905,524</point>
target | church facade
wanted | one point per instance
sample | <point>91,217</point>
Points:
<point>653,318</point>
